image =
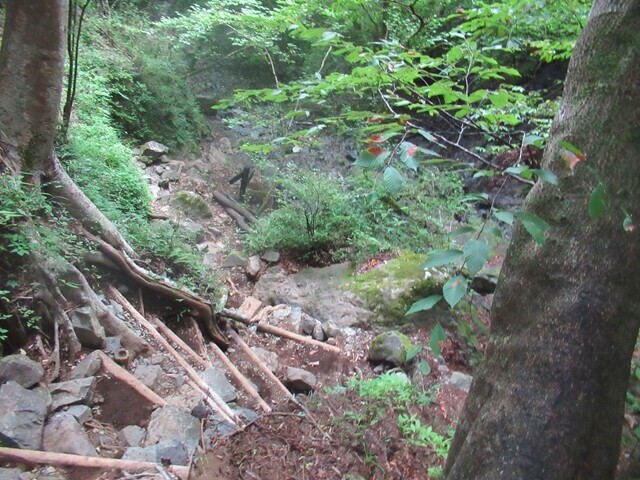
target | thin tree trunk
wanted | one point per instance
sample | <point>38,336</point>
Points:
<point>548,401</point>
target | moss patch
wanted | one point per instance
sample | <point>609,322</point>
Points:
<point>391,289</point>
<point>192,204</point>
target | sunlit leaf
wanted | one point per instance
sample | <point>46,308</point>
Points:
<point>504,216</point>
<point>437,258</point>
<point>424,304</point>
<point>425,368</point>
<point>454,290</point>
<point>500,99</point>
<point>546,176</point>
<point>408,155</point>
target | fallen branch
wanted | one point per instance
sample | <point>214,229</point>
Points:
<point>281,332</point>
<point>178,341</point>
<point>235,373</point>
<point>65,459</point>
<point>233,205</point>
<point>240,220</point>
<point>109,366</point>
<point>218,404</point>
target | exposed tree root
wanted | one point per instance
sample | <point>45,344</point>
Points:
<point>204,310</point>
<point>64,289</point>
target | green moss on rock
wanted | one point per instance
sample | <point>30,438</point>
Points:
<point>192,204</point>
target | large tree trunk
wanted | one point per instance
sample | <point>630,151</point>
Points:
<point>548,401</point>
<point>31,69</point>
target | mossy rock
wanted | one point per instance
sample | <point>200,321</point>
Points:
<point>390,347</point>
<point>192,204</point>
<point>390,290</point>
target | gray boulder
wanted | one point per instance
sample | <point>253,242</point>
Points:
<point>149,375</point>
<point>152,151</point>
<point>270,256</point>
<point>253,266</point>
<point>22,415</point>
<point>171,450</point>
<point>300,380</point>
<point>20,369</point>
<point>131,435</point>
<point>10,474</point>
<point>218,382</point>
<point>71,392</point>
<point>88,367</point>
<point>390,347</point>
<point>87,327</point>
<point>234,259</point>
<point>171,423</point>
<point>63,434</point>
<point>461,381</point>
<point>81,413</point>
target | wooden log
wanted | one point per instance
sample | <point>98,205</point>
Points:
<point>240,220</point>
<point>109,366</point>
<point>218,404</point>
<point>260,364</point>
<point>170,334</point>
<point>235,373</point>
<point>233,205</point>
<point>68,460</point>
<point>281,332</point>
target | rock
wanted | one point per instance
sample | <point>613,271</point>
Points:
<point>10,474</point>
<point>300,380</point>
<point>234,259</point>
<point>250,307</point>
<point>149,375</point>
<point>317,291</point>
<point>225,145</point>
<point>22,415</point>
<point>170,423</point>
<point>216,426</point>
<point>152,151</point>
<point>63,434</point>
<point>270,359</point>
<point>217,380</point>
<point>331,330</point>
<point>81,413</point>
<point>253,266</point>
<point>70,392</point>
<point>194,229</point>
<point>171,450</point>
<point>89,366</point>
<point>288,317</point>
<point>307,324</point>
<point>191,204</point>
<point>112,344</point>
<point>200,411</point>
<point>88,328</point>
<point>390,347</point>
<point>169,176</point>
<point>20,369</point>
<point>318,333</point>
<point>131,435</point>
<point>460,380</point>
<point>270,256</point>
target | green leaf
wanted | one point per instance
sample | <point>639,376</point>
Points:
<point>476,253</point>
<point>424,304</point>
<point>495,231</point>
<point>425,369</point>
<point>500,99</point>
<point>408,155</point>
<point>504,216</point>
<point>412,352</point>
<point>366,159</point>
<point>597,203</point>
<point>572,148</point>
<point>428,136</point>
<point>437,336</point>
<point>531,139</point>
<point>546,176</point>
<point>535,225</point>
<point>437,258</point>
<point>393,180</point>
<point>454,290</point>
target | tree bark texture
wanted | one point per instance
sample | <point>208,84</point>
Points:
<point>31,69</point>
<point>548,401</point>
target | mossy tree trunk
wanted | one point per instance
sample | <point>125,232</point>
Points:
<point>548,400</point>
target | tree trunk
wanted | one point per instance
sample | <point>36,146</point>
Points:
<point>31,69</point>
<point>548,400</point>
